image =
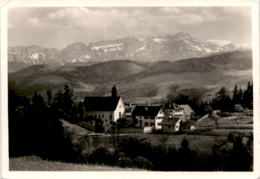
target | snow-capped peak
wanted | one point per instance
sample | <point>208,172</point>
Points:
<point>220,43</point>
<point>159,40</point>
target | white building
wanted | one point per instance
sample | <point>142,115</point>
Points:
<point>171,125</point>
<point>178,116</point>
<point>148,116</point>
<point>109,109</point>
<point>174,111</point>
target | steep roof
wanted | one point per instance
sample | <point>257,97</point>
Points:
<point>146,110</point>
<point>187,109</point>
<point>107,103</point>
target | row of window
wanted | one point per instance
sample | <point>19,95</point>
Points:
<point>102,116</point>
<point>148,124</point>
<point>148,117</point>
<point>177,110</point>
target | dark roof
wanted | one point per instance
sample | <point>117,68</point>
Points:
<point>171,121</point>
<point>107,103</point>
<point>146,110</point>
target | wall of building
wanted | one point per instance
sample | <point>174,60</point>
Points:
<point>158,120</point>
<point>119,111</point>
<point>171,127</point>
<point>149,121</point>
<point>106,116</point>
<point>145,121</point>
<point>168,128</point>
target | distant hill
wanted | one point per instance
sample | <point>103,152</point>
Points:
<point>154,79</point>
<point>170,48</point>
<point>16,66</point>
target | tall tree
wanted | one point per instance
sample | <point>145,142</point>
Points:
<point>235,97</point>
<point>49,97</point>
<point>114,91</point>
<point>248,96</point>
<point>240,96</point>
<point>222,100</point>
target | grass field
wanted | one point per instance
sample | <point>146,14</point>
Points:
<point>201,141</point>
<point>34,163</point>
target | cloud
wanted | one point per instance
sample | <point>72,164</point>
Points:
<point>170,10</point>
<point>35,22</point>
<point>120,21</point>
<point>62,25</point>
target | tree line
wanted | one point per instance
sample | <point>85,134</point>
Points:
<point>35,126</point>
<point>224,100</point>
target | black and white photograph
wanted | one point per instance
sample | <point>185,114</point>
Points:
<point>130,88</point>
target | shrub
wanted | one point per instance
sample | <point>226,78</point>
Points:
<point>238,108</point>
<point>125,162</point>
<point>141,162</point>
<point>86,125</point>
<point>232,136</point>
<point>99,127</point>
<point>102,156</point>
<point>235,157</point>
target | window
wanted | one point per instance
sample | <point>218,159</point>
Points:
<point>102,115</point>
<point>119,114</point>
<point>110,116</point>
<point>151,124</point>
<point>145,117</point>
<point>146,124</point>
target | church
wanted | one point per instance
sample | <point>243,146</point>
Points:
<point>108,108</point>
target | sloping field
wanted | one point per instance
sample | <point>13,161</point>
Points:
<point>33,163</point>
<point>235,121</point>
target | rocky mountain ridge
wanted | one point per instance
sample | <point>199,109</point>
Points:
<point>181,45</point>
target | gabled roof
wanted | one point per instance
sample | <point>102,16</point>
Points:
<point>169,122</point>
<point>187,109</point>
<point>106,103</point>
<point>146,110</point>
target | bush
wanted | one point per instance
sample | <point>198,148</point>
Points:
<point>125,162</point>
<point>141,162</point>
<point>86,125</point>
<point>232,136</point>
<point>99,127</point>
<point>233,155</point>
<point>238,108</point>
<point>102,156</point>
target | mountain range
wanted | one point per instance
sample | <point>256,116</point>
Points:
<point>181,45</point>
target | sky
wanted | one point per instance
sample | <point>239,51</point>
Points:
<point>58,27</point>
